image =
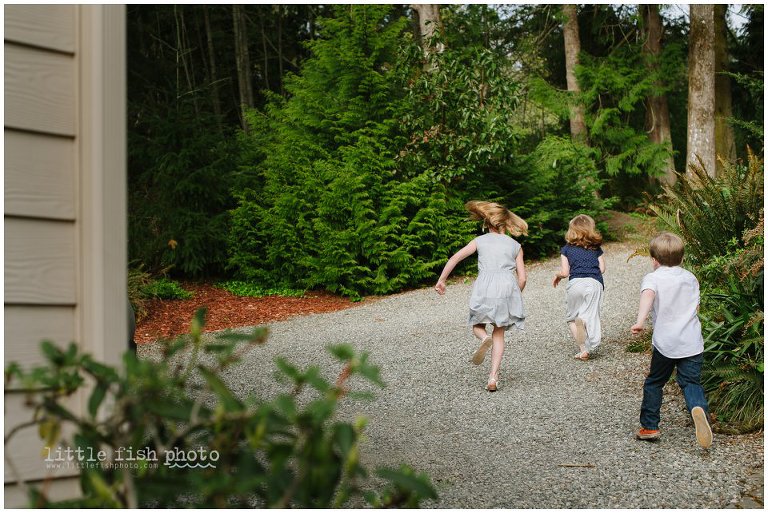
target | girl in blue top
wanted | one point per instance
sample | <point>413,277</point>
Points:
<point>582,262</point>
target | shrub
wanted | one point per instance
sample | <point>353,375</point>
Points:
<point>279,453</point>
<point>163,288</point>
<point>326,207</point>
<point>179,171</point>
<point>734,367</point>
<point>710,212</point>
<point>138,278</point>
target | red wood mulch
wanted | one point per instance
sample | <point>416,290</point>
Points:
<point>169,318</point>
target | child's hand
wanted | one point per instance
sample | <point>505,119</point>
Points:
<point>440,287</point>
<point>556,280</point>
<point>637,328</point>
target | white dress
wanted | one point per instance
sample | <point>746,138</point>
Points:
<point>496,298</point>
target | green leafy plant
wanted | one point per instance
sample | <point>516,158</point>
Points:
<point>284,452</point>
<point>164,288</point>
<point>734,370</point>
<point>138,278</point>
<point>710,212</point>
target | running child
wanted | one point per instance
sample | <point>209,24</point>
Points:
<point>583,263</point>
<point>673,294</point>
<point>497,292</point>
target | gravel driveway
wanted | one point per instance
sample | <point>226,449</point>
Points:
<point>559,433</point>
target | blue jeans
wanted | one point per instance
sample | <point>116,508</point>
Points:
<point>688,377</point>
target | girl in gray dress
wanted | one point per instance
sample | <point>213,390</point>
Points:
<point>497,292</point>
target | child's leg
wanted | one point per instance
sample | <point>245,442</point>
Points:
<point>689,379</point>
<point>479,331</point>
<point>593,298</point>
<point>653,389</point>
<point>572,328</point>
<point>574,304</point>
<point>497,353</point>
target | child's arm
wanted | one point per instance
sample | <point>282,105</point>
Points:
<point>601,263</point>
<point>522,277</point>
<point>646,302</point>
<point>452,263</point>
<point>565,270</point>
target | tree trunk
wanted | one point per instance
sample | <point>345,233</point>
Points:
<point>215,98</point>
<point>572,49</point>
<point>701,90</point>
<point>280,47</point>
<point>725,144</point>
<point>242,62</point>
<point>657,112</point>
<point>429,22</point>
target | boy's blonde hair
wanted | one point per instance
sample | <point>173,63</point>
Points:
<point>582,232</point>
<point>668,249</point>
<point>497,217</point>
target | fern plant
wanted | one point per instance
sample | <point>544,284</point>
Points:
<point>709,212</point>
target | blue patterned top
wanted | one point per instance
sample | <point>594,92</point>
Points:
<point>583,262</point>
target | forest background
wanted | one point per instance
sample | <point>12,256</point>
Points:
<point>283,148</point>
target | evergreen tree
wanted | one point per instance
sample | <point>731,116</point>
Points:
<point>325,208</point>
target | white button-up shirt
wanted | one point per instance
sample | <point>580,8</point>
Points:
<point>676,325</point>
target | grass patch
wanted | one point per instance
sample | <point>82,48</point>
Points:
<point>247,289</point>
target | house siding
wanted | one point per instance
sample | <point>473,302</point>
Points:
<point>65,201</point>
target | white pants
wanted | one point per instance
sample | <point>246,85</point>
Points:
<point>583,300</point>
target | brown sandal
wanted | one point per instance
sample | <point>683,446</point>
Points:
<point>582,356</point>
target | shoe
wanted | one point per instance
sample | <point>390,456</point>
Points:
<point>582,356</point>
<point>479,355</point>
<point>492,385</point>
<point>703,431</point>
<point>648,434</point>
<point>581,331</point>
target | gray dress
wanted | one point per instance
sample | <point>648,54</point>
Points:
<point>496,297</point>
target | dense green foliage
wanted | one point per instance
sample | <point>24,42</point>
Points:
<point>722,223</point>
<point>358,154</point>
<point>364,194</point>
<point>325,207</point>
<point>255,453</point>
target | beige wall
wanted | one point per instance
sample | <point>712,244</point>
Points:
<point>65,196</point>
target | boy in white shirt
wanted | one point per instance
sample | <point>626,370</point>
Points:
<point>673,293</point>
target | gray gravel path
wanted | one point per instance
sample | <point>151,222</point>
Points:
<point>559,433</point>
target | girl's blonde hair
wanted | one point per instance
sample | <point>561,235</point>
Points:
<point>582,232</point>
<point>497,217</point>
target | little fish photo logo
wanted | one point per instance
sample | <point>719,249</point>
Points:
<point>200,458</point>
<point>88,458</point>
<point>128,458</point>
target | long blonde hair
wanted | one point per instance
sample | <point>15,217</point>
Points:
<point>582,232</point>
<point>497,217</point>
